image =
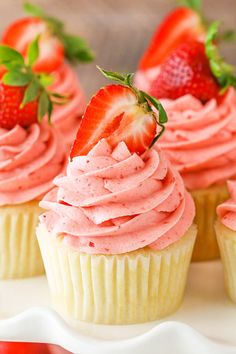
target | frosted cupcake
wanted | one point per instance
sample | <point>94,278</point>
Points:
<point>117,238</point>
<point>226,236</point>
<point>201,143</point>
<point>31,155</point>
<point>57,48</point>
<point>201,132</point>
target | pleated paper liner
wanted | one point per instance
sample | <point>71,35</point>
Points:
<point>206,201</point>
<point>19,251</point>
<point>135,287</point>
<point>227,244</point>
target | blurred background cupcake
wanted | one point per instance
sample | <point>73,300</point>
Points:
<point>226,236</point>
<point>58,50</point>
<point>32,153</point>
<point>182,67</point>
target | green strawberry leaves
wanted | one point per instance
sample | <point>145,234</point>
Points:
<point>157,104</point>
<point>33,51</point>
<point>16,78</point>
<point>76,48</point>
<point>144,99</point>
<point>223,72</point>
<point>20,73</point>
<point>33,10</point>
<point>45,106</point>
<point>195,5</point>
<point>31,93</point>
<point>9,55</point>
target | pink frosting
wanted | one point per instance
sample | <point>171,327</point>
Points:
<point>67,117</point>
<point>200,140</point>
<point>29,160</point>
<point>112,202</point>
<point>227,210</point>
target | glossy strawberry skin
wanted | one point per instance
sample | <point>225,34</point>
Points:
<point>179,26</point>
<point>22,32</point>
<point>10,111</point>
<point>186,71</point>
<point>114,113</point>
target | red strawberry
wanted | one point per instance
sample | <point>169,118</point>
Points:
<point>114,113</point>
<point>22,32</point>
<point>186,71</point>
<point>10,111</point>
<point>179,26</point>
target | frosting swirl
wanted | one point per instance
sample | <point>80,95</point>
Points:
<point>200,140</point>
<point>113,202</point>
<point>29,160</point>
<point>227,210</point>
<point>67,117</point>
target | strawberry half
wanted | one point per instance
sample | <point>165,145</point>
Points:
<point>183,24</point>
<point>22,32</point>
<point>186,71</point>
<point>114,113</point>
<point>55,42</point>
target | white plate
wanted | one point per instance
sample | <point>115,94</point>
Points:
<point>205,324</point>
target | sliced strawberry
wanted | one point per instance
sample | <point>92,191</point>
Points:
<point>179,26</point>
<point>114,113</point>
<point>22,32</point>
<point>51,54</point>
<point>186,71</point>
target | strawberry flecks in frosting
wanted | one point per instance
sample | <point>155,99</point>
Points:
<point>29,160</point>
<point>227,210</point>
<point>112,202</point>
<point>200,140</point>
<point>67,116</point>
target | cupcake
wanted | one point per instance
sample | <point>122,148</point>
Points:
<point>201,133</point>
<point>118,234</point>
<point>57,49</point>
<point>226,236</point>
<point>31,155</point>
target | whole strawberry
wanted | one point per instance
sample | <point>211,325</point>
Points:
<point>181,25</point>
<point>186,71</point>
<point>24,97</point>
<point>11,114</point>
<point>194,68</point>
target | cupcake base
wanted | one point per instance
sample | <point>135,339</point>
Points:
<point>19,251</point>
<point>135,287</point>
<point>206,201</point>
<point>227,243</point>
